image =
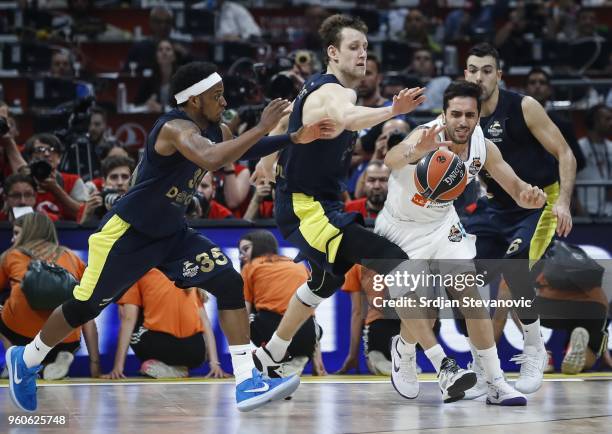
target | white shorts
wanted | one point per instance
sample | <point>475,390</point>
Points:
<point>445,239</point>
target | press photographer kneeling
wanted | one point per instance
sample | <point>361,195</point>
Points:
<point>116,171</point>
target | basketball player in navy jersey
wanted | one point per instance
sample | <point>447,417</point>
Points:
<point>309,209</point>
<point>147,229</point>
<point>535,148</point>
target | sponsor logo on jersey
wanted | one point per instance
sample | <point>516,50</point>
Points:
<point>189,269</point>
<point>475,166</point>
<point>495,130</point>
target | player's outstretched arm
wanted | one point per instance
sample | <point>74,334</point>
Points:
<point>184,137</point>
<point>338,103</point>
<point>548,134</point>
<point>419,143</point>
<point>525,195</point>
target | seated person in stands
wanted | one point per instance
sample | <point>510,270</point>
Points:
<point>116,172</point>
<point>269,283</point>
<point>375,187</point>
<point>154,92</point>
<point>167,328</point>
<point>36,238</point>
<point>378,330</point>
<point>59,194</point>
<point>18,191</point>
<point>204,205</point>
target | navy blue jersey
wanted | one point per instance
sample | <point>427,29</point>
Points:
<point>507,128</point>
<point>163,186</point>
<point>319,168</point>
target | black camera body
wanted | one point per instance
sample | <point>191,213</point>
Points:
<point>110,197</point>
<point>40,170</point>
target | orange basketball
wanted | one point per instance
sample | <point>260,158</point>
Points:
<point>440,176</point>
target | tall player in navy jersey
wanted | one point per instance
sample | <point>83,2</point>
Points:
<point>309,209</point>
<point>535,148</point>
<point>147,229</point>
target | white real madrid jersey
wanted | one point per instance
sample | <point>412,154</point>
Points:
<point>403,200</point>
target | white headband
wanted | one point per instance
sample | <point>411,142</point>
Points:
<point>198,88</point>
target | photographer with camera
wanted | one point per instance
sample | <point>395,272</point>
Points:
<point>59,194</point>
<point>262,203</point>
<point>393,131</point>
<point>116,172</point>
<point>203,205</point>
<point>375,187</point>
<point>19,191</point>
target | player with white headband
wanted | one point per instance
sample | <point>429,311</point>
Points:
<point>147,229</point>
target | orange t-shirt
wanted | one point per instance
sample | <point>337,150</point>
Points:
<point>354,281</point>
<point>167,309</point>
<point>17,313</point>
<point>270,281</point>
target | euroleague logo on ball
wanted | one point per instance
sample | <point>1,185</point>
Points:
<point>441,159</point>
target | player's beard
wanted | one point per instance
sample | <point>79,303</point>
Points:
<point>377,199</point>
<point>457,141</point>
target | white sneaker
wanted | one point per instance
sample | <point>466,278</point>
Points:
<point>404,371</point>
<point>60,367</point>
<point>573,362</point>
<point>267,365</point>
<point>454,381</point>
<point>156,369</point>
<point>533,361</point>
<point>480,388</point>
<point>501,393</point>
<point>294,366</point>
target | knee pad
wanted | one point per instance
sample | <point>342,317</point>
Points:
<point>78,312</point>
<point>318,288</point>
<point>228,289</point>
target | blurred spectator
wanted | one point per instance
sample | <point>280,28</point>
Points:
<point>474,20</point>
<point>204,205</point>
<point>262,202</point>
<point>85,156</point>
<point>142,54</point>
<point>234,22</point>
<point>269,283</point>
<point>11,160</point>
<point>368,90</point>
<point>539,87</point>
<point>378,330</point>
<point>116,172</point>
<point>59,194</point>
<point>422,66</point>
<point>234,188</point>
<point>174,333</point>
<point>597,149</point>
<point>589,51</point>
<point>19,191</point>
<point>61,64</point>
<point>375,188</point>
<point>154,91</point>
<point>19,323</point>
<point>561,23</point>
<point>417,32</point>
<point>514,46</point>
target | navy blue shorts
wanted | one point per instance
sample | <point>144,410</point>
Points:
<point>315,227</point>
<point>119,256</point>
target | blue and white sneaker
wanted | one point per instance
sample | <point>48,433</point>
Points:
<point>259,390</point>
<point>22,380</point>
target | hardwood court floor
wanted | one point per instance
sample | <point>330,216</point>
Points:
<point>334,404</point>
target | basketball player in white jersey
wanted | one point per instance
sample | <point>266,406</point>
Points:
<point>432,231</point>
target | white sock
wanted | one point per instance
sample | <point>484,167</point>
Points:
<point>490,362</point>
<point>35,352</point>
<point>531,334</point>
<point>406,347</point>
<point>435,355</point>
<point>277,347</point>
<point>242,362</point>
